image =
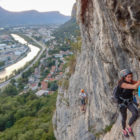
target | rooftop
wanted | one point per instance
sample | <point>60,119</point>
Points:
<point>41,92</point>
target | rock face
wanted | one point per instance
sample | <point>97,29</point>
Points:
<point>73,13</point>
<point>110,32</point>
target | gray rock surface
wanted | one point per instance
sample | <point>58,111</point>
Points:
<point>73,13</point>
<point>116,134</point>
<point>110,32</point>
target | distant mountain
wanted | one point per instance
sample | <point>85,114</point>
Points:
<point>31,18</point>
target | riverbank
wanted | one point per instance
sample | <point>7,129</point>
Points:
<point>11,70</point>
<point>29,40</point>
<point>18,59</point>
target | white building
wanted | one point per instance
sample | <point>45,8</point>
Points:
<point>42,92</point>
<point>18,53</point>
<point>2,46</point>
<point>58,56</point>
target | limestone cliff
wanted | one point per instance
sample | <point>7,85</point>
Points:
<point>73,13</point>
<point>110,32</point>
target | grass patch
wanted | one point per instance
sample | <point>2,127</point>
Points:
<point>102,132</point>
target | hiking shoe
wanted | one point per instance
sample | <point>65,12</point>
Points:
<point>125,133</point>
<point>130,131</point>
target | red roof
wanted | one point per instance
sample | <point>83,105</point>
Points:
<point>44,85</point>
<point>51,79</point>
<point>34,84</point>
<point>60,73</point>
<point>49,75</point>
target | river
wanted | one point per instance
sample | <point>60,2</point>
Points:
<point>20,64</point>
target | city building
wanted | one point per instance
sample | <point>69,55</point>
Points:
<point>42,92</point>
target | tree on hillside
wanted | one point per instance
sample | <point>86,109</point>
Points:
<point>2,63</point>
<point>10,90</point>
<point>53,86</point>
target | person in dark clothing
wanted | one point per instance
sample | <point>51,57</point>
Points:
<point>127,86</point>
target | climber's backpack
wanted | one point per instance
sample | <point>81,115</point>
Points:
<point>115,96</point>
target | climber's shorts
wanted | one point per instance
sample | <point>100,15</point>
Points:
<point>83,102</point>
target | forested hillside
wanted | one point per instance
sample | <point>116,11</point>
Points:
<point>26,116</point>
<point>68,29</point>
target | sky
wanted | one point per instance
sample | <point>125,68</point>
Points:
<point>63,6</point>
